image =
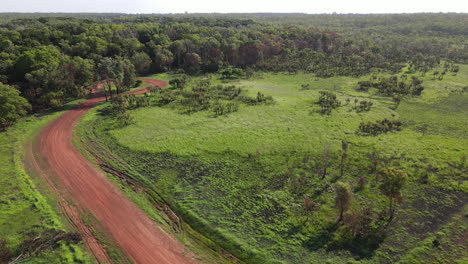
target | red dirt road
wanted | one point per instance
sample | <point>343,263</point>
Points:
<point>77,179</point>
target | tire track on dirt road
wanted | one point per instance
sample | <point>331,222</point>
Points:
<point>75,178</point>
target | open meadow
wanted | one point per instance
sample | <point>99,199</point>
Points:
<point>261,180</point>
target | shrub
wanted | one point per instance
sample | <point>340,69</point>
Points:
<point>328,101</point>
<point>138,83</point>
<point>231,73</point>
<point>379,127</point>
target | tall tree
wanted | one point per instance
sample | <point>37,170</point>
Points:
<point>393,181</point>
<point>163,58</point>
<point>343,199</point>
<point>142,63</point>
<point>12,105</point>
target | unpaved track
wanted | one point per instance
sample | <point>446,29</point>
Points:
<point>77,179</point>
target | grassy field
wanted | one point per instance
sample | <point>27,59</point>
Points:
<point>25,206</point>
<point>241,178</point>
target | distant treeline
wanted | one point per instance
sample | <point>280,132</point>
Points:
<point>53,58</point>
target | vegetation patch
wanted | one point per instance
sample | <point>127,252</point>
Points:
<point>282,184</point>
<point>30,228</point>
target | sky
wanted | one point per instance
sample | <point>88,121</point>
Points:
<point>235,6</point>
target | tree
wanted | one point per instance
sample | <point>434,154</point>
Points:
<point>179,82</point>
<point>117,71</point>
<point>129,75</point>
<point>34,70</point>
<point>393,181</point>
<point>344,156</point>
<point>72,77</point>
<point>142,63</point>
<point>328,102</point>
<point>163,58</point>
<point>12,105</point>
<point>119,107</point>
<point>192,61</point>
<point>44,57</point>
<point>105,73</point>
<point>231,73</point>
<point>324,161</point>
<point>343,199</point>
<point>309,206</point>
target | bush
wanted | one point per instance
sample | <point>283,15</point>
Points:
<point>379,127</point>
<point>231,73</point>
<point>364,106</point>
<point>328,101</point>
<point>180,82</point>
<point>393,85</point>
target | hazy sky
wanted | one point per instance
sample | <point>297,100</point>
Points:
<point>209,6</point>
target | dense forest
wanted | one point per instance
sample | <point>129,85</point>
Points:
<point>50,58</point>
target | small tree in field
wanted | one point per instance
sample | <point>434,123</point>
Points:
<point>393,181</point>
<point>343,199</point>
<point>328,101</point>
<point>309,206</point>
<point>180,82</point>
<point>344,156</point>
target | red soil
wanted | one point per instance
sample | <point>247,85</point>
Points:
<point>74,178</point>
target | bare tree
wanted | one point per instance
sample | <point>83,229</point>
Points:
<point>309,206</point>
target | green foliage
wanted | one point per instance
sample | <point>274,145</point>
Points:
<point>242,178</point>
<point>364,106</point>
<point>12,105</point>
<point>118,72</point>
<point>379,127</point>
<point>246,174</point>
<point>49,239</point>
<point>328,101</point>
<point>24,202</point>
<point>231,73</point>
<point>51,54</point>
<point>120,104</point>
<point>142,63</point>
<point>43,57</point>
<point>180,82</point>
<point>393,86</point>
<point>392,181</point>
<point>343,199</point>
<point>203,95</point>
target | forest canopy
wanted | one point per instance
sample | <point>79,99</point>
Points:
<point>53,58</point>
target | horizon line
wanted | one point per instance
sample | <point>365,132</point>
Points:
<point>233,13</point>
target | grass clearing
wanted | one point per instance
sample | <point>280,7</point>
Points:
<point>241,178</point>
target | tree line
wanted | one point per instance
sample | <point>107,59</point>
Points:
<point>51,60</point>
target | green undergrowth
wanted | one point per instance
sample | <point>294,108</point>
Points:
<point>25,205</point>
<point>134,186</point>
<point>241,178</point>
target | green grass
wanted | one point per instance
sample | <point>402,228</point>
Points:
<point>205,250</point>
<point>25,205</point>
<point>240,178</point>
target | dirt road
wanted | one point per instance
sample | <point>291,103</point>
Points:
<point>75,178</point>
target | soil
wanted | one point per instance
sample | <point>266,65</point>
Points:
<point>73,178</point>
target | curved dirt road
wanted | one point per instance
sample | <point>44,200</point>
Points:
<point>77,179</point>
